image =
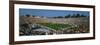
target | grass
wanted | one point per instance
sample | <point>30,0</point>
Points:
<point>55,25</point>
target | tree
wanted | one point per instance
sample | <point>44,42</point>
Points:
<point>73,16</point>
<point>83,16</point>
<point>54,17</point>
<point>28,15</point>
<point>33,16</point>
<point>77,15</point>
<point>67,16</point>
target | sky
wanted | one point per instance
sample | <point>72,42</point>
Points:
<point>50,13</point>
